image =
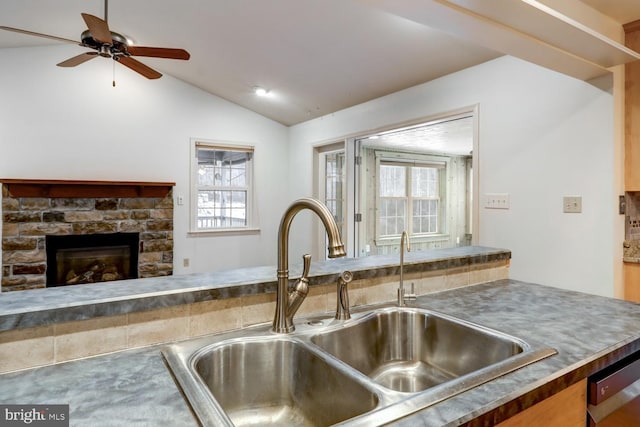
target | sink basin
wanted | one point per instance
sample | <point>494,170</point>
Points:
<point>410,350</point>
<point>277,382</point>
<point>383,364</point>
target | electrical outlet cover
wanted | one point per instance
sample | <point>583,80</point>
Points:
<point>572,204</point>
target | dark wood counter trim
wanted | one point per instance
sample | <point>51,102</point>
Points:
<point>88,189</point>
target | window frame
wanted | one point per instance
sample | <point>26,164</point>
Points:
<point>322,154</point>
<point>251,217</point>
<point>409,160</point>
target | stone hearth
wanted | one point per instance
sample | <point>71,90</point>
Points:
<point>31,210</point>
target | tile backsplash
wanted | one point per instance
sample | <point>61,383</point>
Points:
<point>60,342</point>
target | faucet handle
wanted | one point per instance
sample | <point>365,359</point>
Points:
<point>300,289</point>
<point>306,265</point>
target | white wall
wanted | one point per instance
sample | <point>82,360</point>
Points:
<point>542,135</point>
<point>61,123</point>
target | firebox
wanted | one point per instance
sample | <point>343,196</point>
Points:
<point>91,258</point>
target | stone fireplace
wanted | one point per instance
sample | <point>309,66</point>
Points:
<point>57,233</point>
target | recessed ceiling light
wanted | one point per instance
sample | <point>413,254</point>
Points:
<point>260,91</point>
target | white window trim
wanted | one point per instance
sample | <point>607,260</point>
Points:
<point>321,186</point>
<point>252,219</point>
<point>319,243</point>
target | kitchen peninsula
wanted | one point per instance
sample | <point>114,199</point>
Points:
<point>134,387</point>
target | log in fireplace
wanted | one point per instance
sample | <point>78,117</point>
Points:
<point>91,258</point>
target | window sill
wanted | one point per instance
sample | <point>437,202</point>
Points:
<point>224,232</point>
<point>417,239</point>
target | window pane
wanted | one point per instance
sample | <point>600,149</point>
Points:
<point>425,216</point>
<point>424,182</point>
<point>392,216</point>
<point>222,168</point>
<point>417,209</point>
<point>206,209</point>
<point>384,226</point>
<point>400,227</point>
<point>392,208</point>
<point>392,181</point>
<point>222,208</point>
<point>238,175</point>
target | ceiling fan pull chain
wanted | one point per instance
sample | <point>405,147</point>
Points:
<point>114,73</point>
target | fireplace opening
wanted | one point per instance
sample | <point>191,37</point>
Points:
<point>91,258</point>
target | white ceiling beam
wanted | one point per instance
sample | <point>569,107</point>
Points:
<point>582,12</point>
<point>519,28</point>
<point>549,25</point>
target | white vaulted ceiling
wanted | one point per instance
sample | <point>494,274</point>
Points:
<point>315,56</point>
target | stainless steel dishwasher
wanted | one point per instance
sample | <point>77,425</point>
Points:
<point>614,395</point>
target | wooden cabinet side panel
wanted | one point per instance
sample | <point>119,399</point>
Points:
<point>632,117</point>
<point>567,408</point>
<point>632,282</point>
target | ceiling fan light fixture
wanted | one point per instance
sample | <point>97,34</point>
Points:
<point>105,51</point>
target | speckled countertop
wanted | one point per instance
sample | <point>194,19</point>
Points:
<point>134,388</point>
<point>67,303</point>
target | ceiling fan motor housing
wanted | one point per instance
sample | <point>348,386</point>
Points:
<point>117,48</point>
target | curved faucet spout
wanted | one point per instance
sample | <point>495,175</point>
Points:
<point>283,319</point>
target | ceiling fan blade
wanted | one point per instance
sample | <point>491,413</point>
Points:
<point>98,28</point>
<point>77,60</point>
<point>139,67</point>
<point>158,52</point>
<point>31,33</point>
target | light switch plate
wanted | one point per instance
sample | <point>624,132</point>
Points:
<point>572,204</point>
<point>496,201</point>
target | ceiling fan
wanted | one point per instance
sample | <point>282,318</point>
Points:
<point>109,44</point>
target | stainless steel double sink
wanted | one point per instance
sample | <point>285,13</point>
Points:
<point>384,363</point>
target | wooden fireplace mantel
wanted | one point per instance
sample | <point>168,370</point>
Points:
<point>90,189</point>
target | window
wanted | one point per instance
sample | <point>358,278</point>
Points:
<point>409,197</point>
<point>221,187</point>
<point>418,179</point>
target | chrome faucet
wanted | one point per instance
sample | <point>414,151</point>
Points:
<point>288,303</point>
<point>402,296</point>
<point>342,306</point>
